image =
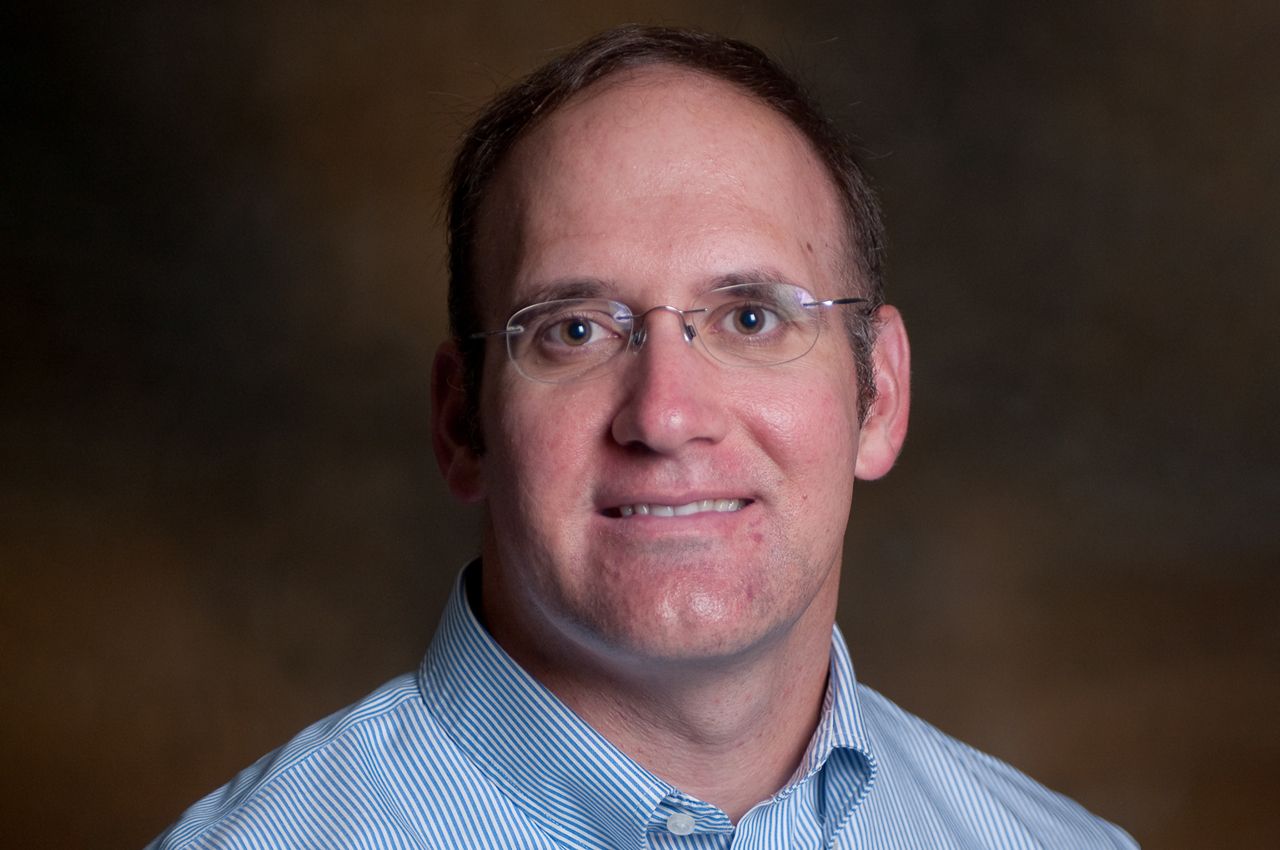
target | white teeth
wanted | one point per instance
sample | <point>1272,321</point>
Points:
<point>696,507</point>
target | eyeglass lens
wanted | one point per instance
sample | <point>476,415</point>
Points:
<point>751,324</point>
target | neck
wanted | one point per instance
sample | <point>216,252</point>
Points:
<point>729,732</point>
<point>731,737</point>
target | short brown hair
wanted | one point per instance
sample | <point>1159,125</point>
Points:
<point>516,110</point>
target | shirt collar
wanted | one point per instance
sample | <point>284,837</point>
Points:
<point>841,725</point>
<point>840,752</point>
<point>584,790</point>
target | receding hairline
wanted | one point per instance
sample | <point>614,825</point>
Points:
<point>655,75</point>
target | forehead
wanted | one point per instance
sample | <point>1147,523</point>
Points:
<point>659,173</point>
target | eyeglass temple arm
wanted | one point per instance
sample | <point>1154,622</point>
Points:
<point>518,329</point>
<point>831,302</point>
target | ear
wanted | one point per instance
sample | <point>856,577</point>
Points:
<point>885,427</point>
<point>459,461</point>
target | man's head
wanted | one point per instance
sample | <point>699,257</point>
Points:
<point>673,507</point>
<point>510,116</point>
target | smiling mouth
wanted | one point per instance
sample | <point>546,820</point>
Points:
<point>700,506</point>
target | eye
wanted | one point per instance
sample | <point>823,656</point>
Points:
<point>576,331</point>
<point>749,319</point>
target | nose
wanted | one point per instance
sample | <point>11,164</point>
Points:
<point>671,391</point>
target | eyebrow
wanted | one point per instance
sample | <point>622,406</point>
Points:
<point>556,290</point>
<point>591,287</point>
<point>758,274</point>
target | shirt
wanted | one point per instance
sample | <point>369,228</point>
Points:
<point>471,751</point>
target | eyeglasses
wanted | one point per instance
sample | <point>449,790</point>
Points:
<point>746,324</point>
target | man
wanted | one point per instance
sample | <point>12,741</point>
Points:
<point>670,361</point>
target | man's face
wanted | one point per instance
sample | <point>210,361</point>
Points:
<point>657,187</point>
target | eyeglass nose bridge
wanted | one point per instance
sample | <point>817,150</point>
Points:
<point>640,325</point>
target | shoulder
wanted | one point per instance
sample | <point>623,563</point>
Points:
<point>984,798</point>
<point>329,785</point>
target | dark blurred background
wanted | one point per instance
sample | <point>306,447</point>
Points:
<point>223,286</point>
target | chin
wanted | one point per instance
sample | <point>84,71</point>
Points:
<point>691,629</point>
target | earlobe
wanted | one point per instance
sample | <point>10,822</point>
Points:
<point>451,436</point>
<point>885,428</point>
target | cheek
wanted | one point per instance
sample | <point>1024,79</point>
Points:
<point>540,440</point>
<point>809,428</point>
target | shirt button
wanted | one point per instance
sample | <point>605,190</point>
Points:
<point>681,824</point>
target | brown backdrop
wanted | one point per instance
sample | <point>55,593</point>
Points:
<point>224,285</point>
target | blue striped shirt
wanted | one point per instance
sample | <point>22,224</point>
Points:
<point>472,752</point>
